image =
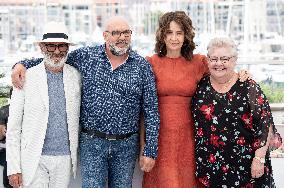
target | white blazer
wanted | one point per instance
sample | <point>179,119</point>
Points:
<point>27,123</point>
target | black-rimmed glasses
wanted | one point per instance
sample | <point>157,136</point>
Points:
<point>223,59</point>
<point>116,33</point>
<point>61,47</point>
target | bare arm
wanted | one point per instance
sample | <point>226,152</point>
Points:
<point>257,166</point>
<point>261,152</point>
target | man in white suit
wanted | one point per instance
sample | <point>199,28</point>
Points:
<point>42,135</point>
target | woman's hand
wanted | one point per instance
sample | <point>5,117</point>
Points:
<point>257,168</point>
<point>244,75</point>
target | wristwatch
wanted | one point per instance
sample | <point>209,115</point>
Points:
<point>260,159</point>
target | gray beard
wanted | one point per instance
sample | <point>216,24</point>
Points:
<point>118,51</point>
<point>50,63</point>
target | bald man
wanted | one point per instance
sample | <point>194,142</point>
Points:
<point>118,85</point>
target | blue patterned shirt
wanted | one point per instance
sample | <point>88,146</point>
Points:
<point>112,100</point>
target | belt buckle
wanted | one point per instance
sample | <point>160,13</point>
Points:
<point>110,137</point>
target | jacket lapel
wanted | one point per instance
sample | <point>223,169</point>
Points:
<point>68,90</point>
<point>67,85</point>
<point>42,84</point>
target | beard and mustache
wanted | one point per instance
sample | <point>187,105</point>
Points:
<point>118,51</point>
<point>52,63</point>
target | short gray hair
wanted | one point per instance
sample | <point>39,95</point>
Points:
<point>220,42</point>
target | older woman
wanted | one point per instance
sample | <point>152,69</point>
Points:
<point>177,72</point>
<point>233,125</point>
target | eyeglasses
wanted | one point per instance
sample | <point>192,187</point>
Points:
<point>223,59</point>
<point>61,47</point>
<point>117,34</point>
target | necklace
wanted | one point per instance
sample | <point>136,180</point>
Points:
<point>222,87</point>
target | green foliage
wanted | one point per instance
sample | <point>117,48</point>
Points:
<point>4,91</point>
<point>3,101</point>
<point>273,92</point>
<point>2,75</point>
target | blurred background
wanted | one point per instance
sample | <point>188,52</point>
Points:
<point>257,26</point>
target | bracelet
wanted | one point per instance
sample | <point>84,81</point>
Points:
<point>260,159</point>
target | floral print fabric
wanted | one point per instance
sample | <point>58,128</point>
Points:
<point>229,127</point>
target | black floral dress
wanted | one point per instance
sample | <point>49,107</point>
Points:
<point>229,127</point>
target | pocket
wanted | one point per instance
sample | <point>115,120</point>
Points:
<point>133,141</point>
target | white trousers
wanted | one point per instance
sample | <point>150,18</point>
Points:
<point>52,172</point>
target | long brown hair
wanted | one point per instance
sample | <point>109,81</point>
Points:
<point>186,25</point>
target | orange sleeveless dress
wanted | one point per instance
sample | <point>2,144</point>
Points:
<point>176,81</point>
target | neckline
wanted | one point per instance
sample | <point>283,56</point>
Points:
<point>222,93</point>
<point>54,73</point>
<point>173,58</point>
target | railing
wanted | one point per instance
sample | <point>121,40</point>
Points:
<point>278,113</point>
<point>278,116</point>
<point>280,129</point>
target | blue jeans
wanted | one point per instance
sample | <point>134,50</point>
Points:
<point>104,161</point>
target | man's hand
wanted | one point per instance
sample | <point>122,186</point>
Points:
<point>146,163</point>
<point>18,76</point>
<point>257,168</point>
<point>244,75</point>
<point>15,180</point>
<point>2,132</point>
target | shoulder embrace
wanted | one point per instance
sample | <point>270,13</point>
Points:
<point>141,61</point>
<point>199,58</point>
<point>250,82</point>
<point>146,64</point>
<point>35,68</point>
<point>250,86</point>
<point>153,58</point>
<point>85,50</point>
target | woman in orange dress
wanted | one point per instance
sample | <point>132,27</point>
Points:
<point>177,72</point>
